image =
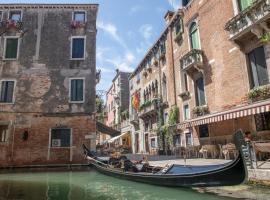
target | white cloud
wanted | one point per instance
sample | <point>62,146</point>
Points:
<point>146,31</point>
<point>123,63</point>
<point>112,31</point>
<point>175,4</point>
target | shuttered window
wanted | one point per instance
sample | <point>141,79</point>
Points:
<point>243,4</point>
<point>11,51</point>
<point>60,137</point>
<point>7,89</point>
<point>258,67</point>
<point>78,47</point>
<point>194,36</point>
<point>200,94</point>
<point>77,90</point>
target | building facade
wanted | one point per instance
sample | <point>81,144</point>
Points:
<point>216,73</point>
<point>48,79</point>
<point>117,99</point>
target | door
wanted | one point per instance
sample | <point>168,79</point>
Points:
<point>136,143</point>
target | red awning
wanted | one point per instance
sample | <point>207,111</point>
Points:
<point>237,112</point>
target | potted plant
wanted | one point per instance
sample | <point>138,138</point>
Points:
<point>200,110</point>
<point>259,93</point>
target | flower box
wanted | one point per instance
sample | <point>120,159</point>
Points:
<point>200,110</point>
<point>77,24</point>
<point>259,93</point>
<point>12,24</point>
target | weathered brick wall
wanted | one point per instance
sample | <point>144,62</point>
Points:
<point>36,150</point>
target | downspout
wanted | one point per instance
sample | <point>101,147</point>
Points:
<point>173,68</point>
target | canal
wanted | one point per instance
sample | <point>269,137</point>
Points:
<point>88,185</point>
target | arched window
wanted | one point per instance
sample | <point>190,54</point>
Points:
<point>243,4</point>
<point>164,87</point>
<point>194,36</point>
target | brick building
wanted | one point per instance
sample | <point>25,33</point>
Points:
<point>48,79</point>
<point>216,53</point>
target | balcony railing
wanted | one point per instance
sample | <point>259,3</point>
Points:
<point>133,118</point>
<point>256,13</point>
<point>11,24</point>
<point>193,58</point>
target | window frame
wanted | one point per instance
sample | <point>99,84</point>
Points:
<point>1,15</point>
<point>13,95</point>
<point>189,116</point>
<point>77,78</point>
<point>77,11</point>
<point>6,137</point>
<point>191,137</point>
<point>71,47</point>
<point>198,30</point>
<point>50,138</point>
<point>20,10</point>
<point>196,90</point>
<point>5,46</point>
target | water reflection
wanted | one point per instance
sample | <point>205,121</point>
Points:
<point>86,185</point>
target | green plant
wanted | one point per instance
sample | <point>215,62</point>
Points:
<point>125,114</point>
<point>266,37</point>
<point>173,115</point>
<point>259,93</point>
<point>200,110</point>
<point>145,104</point>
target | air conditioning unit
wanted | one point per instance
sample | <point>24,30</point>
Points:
<point>56,143</point>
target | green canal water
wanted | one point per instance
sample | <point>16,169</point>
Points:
<point>87,185</point>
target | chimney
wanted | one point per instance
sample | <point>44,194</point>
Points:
<point>168,16</point>
<point>117,71</point>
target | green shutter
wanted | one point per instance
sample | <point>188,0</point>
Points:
<point>243,4</point>
<point>11,48</point>
<point>194,36</point>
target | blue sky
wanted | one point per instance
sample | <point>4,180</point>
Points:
<point>126,29</point>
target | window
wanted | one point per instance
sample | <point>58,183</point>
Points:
<point>188,139</point>
<point>11,48</point>
<point>6,91</point>
<point>186,112</point>
<point>1,17</point>
<point>262,121</point>
<point>15,15</point>
<point>3,133</point>
<point>185,2</point>
<point>79,16</point>
<point>203,131</point>
<point>185,82</point>
<point>153,143</point>
<point>243,4</point>
<point>177,27</point>
<point>77,90</point>
<point>177,140</point>
<point>60,137</point>
<point>138,78</point>
<point>258,67</point>
<point>194,36</point>
<point>78,48</point>
<point>199,91</point>
<point>164,87</point>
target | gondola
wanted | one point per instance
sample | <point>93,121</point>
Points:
<point>232,173</point>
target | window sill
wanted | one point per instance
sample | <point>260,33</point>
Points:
<point>10,59</point>
<point>76,101</point>
<point>60,147</point>
<point>71,59</point>
<point>7,103</point>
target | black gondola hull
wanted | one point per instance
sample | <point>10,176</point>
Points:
<point>233,174</point>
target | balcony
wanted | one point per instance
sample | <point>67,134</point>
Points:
<point>148,111</point>
<point>192,61</point>
<point>251,21</point>
<point>11,25</point>
<point>134,119</point>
